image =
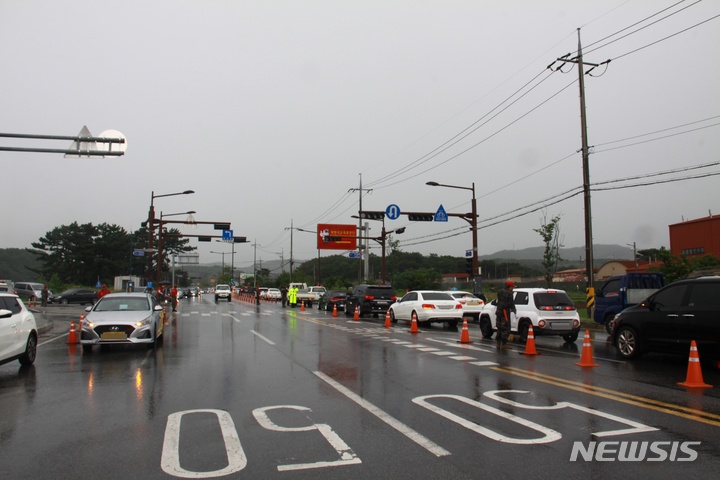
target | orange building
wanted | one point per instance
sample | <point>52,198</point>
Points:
<point>696,237</point>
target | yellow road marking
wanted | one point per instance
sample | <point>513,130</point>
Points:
<point>669,408</point>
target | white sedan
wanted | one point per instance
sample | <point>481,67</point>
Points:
<point>428,306</point>
<point>472,305</point>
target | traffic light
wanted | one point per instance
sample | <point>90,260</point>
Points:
<point>373,215</point>
<point>204,239</point>
<point>221,226</point>
<point>421,217</point>
<point>469,267</point>
<point>240,239</point>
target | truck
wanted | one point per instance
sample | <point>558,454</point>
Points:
<point>622,291</point>
<point>310,295</point>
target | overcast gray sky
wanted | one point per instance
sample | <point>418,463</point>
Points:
<point>273,110</point>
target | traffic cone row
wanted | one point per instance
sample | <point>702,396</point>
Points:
<point>465,335</point>
<point>694,378</point>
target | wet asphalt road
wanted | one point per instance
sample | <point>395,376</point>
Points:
<point>238,391</point>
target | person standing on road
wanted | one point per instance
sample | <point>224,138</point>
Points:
<point>292,296</point>
<point>174,297</point>
<point>103,291</point>
<point>284,295</point>
<point>505,306</point>
<point>44,295</point>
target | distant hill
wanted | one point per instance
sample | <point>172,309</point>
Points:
<point>601,254</point>
<point>17,264</point>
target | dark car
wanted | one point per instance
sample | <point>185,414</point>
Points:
<point>332,299</point>
<point>375,299</point>
<point>75,295</point>
<point>669,319</point>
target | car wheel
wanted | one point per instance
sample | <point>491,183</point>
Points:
<point>486,328</point>
<point>453,324</point>
<point>608,323</point>
<point>64,301</point>
<point>393,320</point>
<point>570,337</point>
<point>28,357</point>
<point>523,329</point>
<point>628,342</point>
<point>608,328</point>
<point>87,348</point>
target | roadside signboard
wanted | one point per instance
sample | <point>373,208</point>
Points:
<point>336,236</point>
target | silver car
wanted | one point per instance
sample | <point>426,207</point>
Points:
<point>123,318</point>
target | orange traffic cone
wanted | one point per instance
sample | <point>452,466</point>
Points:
<point>356,316</point>
<point>302,306</point>
<point>414,324</point>
<point>388,320</point>
<point>586,358</point>
<point>72,337</point>
<point>465,335</point>
<point>694,377</point>
<point>335,314</point>
<point>530,344</point>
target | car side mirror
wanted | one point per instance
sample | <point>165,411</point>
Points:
<point>158,308</point>
<point>87,309</point>
<point>5,314</point>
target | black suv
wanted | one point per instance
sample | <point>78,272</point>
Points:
<point>373,299</point>
<point>670,318</point>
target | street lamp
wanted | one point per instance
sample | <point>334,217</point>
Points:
<point>472,221</point>
<point>151,221</point>
<point>161,243</point>
<point>223,260</point>
<point>381,240</point>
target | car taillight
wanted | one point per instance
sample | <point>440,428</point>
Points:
<point>369,297</point>
<point>428,306</point>
<point>546,308</point>
<point>458,306</point>
<point>393,298</point>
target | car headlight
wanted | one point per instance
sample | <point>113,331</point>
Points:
<point>145,321</point>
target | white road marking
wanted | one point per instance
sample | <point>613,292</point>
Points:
<point>270,342</point>
<point>416,437</point>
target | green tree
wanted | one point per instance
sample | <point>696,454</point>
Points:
<point>83,253</point>
<point>550,233</point>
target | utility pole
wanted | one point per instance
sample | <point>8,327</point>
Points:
<point>363,248</point>
<point>590,290</point>
<point>291,247</point>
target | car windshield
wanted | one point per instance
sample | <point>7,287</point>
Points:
<point>122,304</point>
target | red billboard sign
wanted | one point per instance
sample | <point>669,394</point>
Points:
<point>336,237</point>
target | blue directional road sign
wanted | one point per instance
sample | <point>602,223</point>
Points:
<point>354,255</point>
<point>139,253</point>
<point>392,212</point>
<point>227,235</point>
<point>441,215</point>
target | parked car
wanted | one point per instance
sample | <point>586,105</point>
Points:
<point>549,311</point>
<point>670,319</point>
<point>75,295</point>
<point>18,331</point>
<point>428,306</point>
<point>332,299</point>
<point>223,291</point>
<point>192,292</point>
<point>374,299</point>
<point>29,289</point>
<point>472,304</point>
<point>123,318</point>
